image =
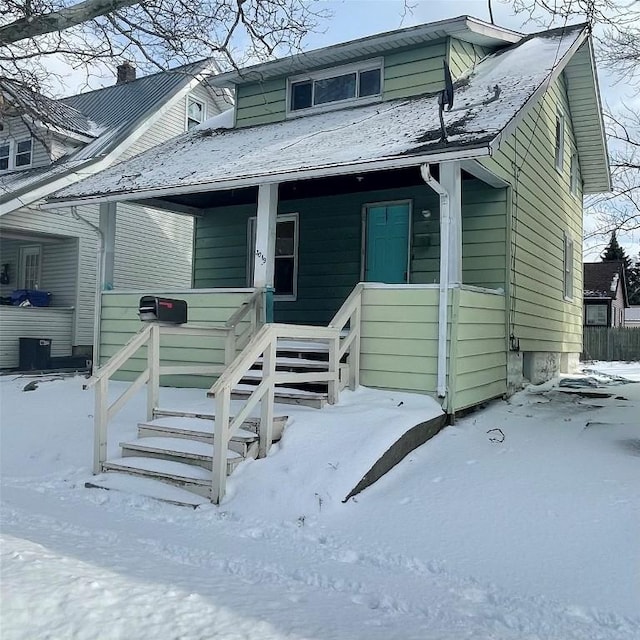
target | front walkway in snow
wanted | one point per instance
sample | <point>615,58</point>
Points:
<point>522,521</point>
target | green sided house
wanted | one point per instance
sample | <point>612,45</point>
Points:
<point>429,234</point>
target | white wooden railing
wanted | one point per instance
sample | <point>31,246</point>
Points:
<point>265,344</point>
<point>247,318</point>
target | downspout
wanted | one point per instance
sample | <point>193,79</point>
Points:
<point>443,307</point>
<point>100,254</point>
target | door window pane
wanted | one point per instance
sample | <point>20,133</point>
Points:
<point>596,314</point>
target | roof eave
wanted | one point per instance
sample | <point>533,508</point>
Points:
<point>394,162</point>
<point>475,31</point>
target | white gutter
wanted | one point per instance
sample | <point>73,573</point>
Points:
<point>285,176</point>
<point>443,309</point>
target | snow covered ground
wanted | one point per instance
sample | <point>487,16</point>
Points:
<point>532,531</point>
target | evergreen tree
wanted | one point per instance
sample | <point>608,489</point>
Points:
<point>616,253</point>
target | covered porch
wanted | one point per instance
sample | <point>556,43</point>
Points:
<point>38,289</point>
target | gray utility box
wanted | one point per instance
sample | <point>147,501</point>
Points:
<point>167,310</point>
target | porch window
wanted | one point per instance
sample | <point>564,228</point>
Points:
<point>559,142</point>
<point>195,112</point>
<point>285,276</point>
<point>338,85</point>
<point>595,314</point>
<point>30,266</point>
<point>568,267</point>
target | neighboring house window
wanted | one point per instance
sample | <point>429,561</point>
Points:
<point>595,314</point>
<point>338,85</point>
<point>195,112</point>
<point>5,155</point>
<point>23,153</point>
<point>285,276</point>
<point>29,274</point>
<point>568,267</point>
<point>575,174</point>
<point>559,141</point>
<point>16,154</point>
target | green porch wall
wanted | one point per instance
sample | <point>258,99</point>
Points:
<point>330,245</point>
<point>464,56</point>
<point>543,209</point>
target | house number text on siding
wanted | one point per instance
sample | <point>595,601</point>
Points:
<point>261,256</point>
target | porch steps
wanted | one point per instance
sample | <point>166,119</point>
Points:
<point>187,476</point>
<point>285,395</point>
<point>199,426</point>
<point>176,449</point>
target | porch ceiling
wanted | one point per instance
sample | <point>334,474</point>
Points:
<point>385,135</point>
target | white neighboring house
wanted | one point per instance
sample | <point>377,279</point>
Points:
<point>632,316</point>
<point>58,251</point>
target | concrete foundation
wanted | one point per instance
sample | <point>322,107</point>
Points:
<point>569,362</point>
<point>515,379</point>
<point>540,366</point>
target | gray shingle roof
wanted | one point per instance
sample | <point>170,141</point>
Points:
<point>601,279</point>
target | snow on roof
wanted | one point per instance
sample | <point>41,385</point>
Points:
<point>402,130</point>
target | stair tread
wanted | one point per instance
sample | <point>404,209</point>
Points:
<point>176,445</point>
<point>302,363</point>
<point>195,425</point>
<point>282,391</point>
<point>181,470</point>
<point>147,487</point>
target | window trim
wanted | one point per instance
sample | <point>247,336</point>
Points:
<point>191,98</point>
<point>559,142</point>
<point>13,152</point>
<point>332,72</point>
<point>252,224</point>
<point>568,268</point>
<point>23,252</point>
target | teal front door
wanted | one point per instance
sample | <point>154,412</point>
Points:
<point>387,242</point>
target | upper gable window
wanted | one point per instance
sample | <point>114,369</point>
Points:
<point>16,154</point>
<point>195,112</point>
<point>559,141</point>
<point>340,85</point>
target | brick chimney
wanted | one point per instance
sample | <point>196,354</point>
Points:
<point>126,73</point>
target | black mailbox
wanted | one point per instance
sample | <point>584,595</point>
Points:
<point>154,309</point>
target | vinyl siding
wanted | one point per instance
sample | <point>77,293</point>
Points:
<point>330,245</point>
<point>478,348</point>
<point>119,322</point>
<point>34,322</point>
<point>543,209</point>
<point>414,71</point>
<point>463,56</point>
<point>153,248</point>
<point>260,103</point>
<point>399,343</point>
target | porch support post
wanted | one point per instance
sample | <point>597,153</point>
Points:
<point>107,226</point>
<point>264,257</point>
<point>451,181</point>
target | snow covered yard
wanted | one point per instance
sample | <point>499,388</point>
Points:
<point>521,521</point>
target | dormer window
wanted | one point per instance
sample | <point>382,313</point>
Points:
<point>16,154</point>
<point>339,86</point>
<point>195,112</point>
